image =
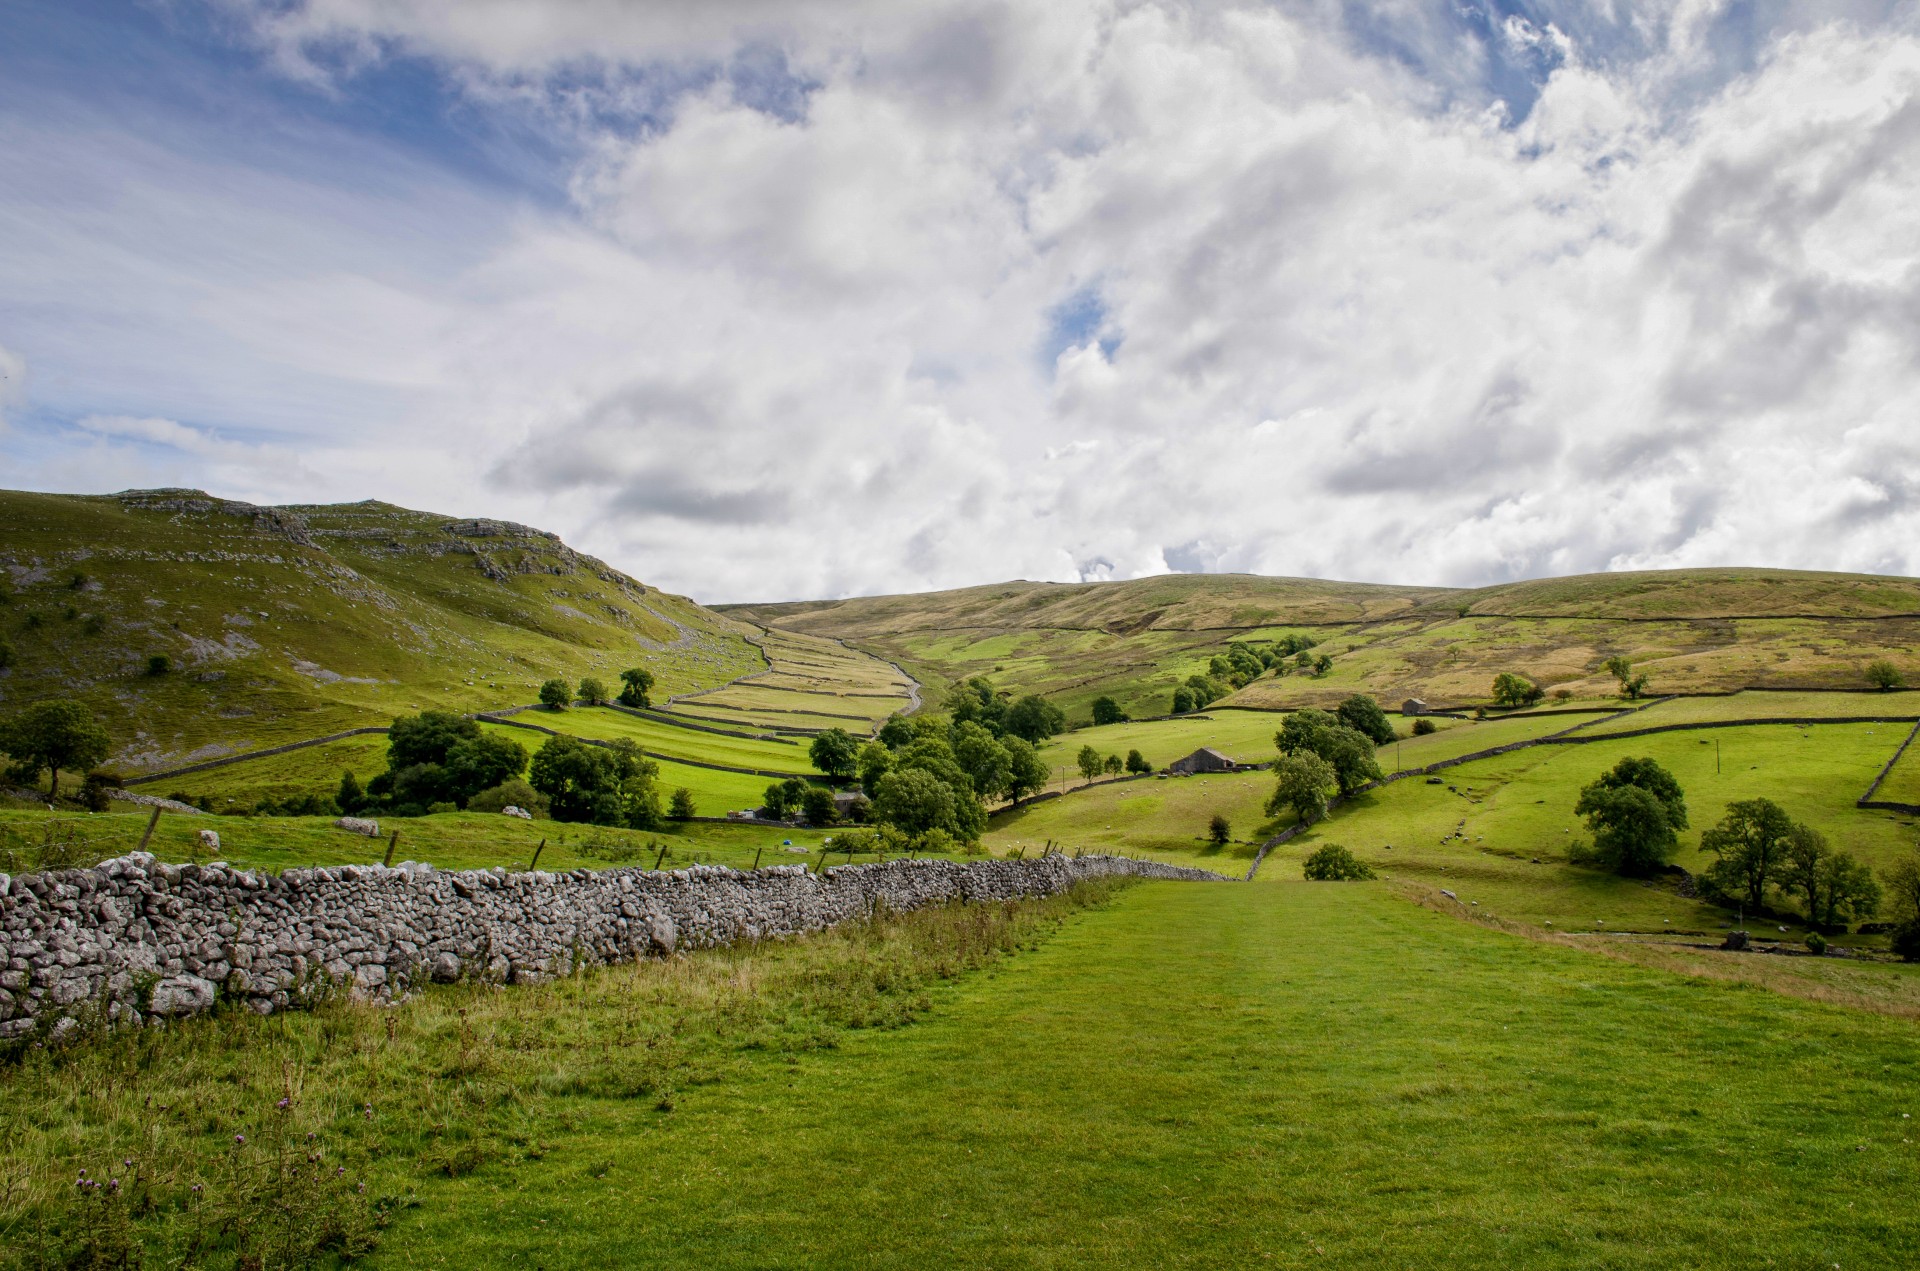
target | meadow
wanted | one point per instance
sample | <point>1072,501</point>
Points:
<point>1223,1074</point>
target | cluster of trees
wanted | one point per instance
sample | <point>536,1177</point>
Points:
<point>1107,711</point>
<point>636,690</point>
<point>1244,663</point>
<point>52,737</point>
<point>1323,751</point>
<point>1198,693</point>
<point>1032,718</point>
<point>1510,689</point>
<point>1092,763</point>
<point>436,760</point>
<point>1632,686</point>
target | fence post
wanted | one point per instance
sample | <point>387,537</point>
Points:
<point>661,857</point>
<point>536,855</point>
<point>756,858</point>
<point>151,822</point>
<point>391,844</point>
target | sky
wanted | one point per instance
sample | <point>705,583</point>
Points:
<point>780,299</point>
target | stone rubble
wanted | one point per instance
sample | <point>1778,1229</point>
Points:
<point>135,939</point>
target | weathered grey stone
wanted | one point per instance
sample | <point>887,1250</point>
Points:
<point>180,995</point>
<point>446,969</point>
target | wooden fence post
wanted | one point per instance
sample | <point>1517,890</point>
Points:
<point>756,857</point>
<point>391,844</point>
<point>536,855</point>
<point>151,822</point>
<point>661,857</point>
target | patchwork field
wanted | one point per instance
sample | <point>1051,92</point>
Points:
<point>810,684</point>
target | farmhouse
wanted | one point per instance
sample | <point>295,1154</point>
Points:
<point>1414,706</point>
<point>1205,759</point>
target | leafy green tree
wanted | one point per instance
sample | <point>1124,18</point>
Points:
<point>1322,663</point>
<point>1114,766</point>
<point>1424,728</point>
<point>157,664</point>
<point>1206,690</point>
<point>554,696</point>
<point>593,692</point>
<point>1301,783</point>
<point>915,801</point>
<point>1632,834</point>
<point>52,736</point>
<point>681,807</point>
<point>1034,719</point>
<point>636,688</point>
<point>427,738</point>
<point>1137,763</point>
<point>1515,690</point>
<point>1219,830</point>
<point>1631,685</point>
<point>781,800</point>
<point>818,807</point>
<point>975,701</point>
<point>1751,842</point>
<point>873,762</point>
<point>351,797</point>
<point>1335,864</point>
<point>1648,775</point>
<point>1090,762</point>
<point>932,755</point>
<point>896,732</point>
<point>1301,730</point>
<point>1027,773</point>
<point>1832,886</point>
<point>479,763</point>
<point>1362,714</point>
<point>1347,750</point>
<point>1243,665</point>
<point>835,752</point>
<point>611,784</point>
<point>1884,675</point>
<point>1107,711</point>
<point>1182,700</point>
<point>985,760</point>
<point>1903,904</point>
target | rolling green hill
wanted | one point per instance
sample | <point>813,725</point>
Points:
<point>285,623</point>
<point>1696,630</point>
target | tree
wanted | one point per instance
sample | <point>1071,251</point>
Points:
<point>818,807</point>
<point>636,688</point>
<point>975,701</point>
<point>932,755</point>
<point>896,732</point>
<point>1090,762</point>
<point>1027,773</point>
<point>1300,730</point>
<point>984,759</point>
<point>1137,763</point>
<point>872,764</point>
<point>1751,841</point>
<point>1632,833</point>
<point>1333,863</point>
<point>1107,711</point>
<point>1322,663</point>
<point>427,738</point>
<point>1515,690</point>
<point>1205,690</point>
<point>1182,700</point>
<point>610,784</point>
<point>1884,675</point>
<point>1034,719</point>
<point>479,763</point>
<point>1651,777</point>
<point>1219,830</point>
<point>1114,766</point>
<point>1301,782</point>
<point>554,696</point>
<point>915,801</point>
<point>782,799</point>
<point>1834,888</point>
<point>1349,752</point>
<point>680,807</point>
<point>1362,714</point>
<point>1631,685</point>
<point>157,664</point>
<point>1424,728</point>
<point>835,752</point>
<point>1903,904</point>
<point>593,692</point>
<point>351,797</point>
<point>53,736</point>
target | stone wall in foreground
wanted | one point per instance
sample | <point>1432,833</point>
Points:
<point>135,938</point>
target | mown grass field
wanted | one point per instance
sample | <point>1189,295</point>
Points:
<point>1737,706</point>
<point>1903,782</point>
<point>1201,1075</point>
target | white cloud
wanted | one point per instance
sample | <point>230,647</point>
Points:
<point>1349,324</point>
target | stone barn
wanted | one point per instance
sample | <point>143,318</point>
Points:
<point>1413,706</point>
<point>1205,759</point>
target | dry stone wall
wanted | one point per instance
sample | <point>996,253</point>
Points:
<point>136,939</point>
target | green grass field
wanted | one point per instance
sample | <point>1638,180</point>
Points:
<point>1738,706</point>
<point>1200,1075</point>
<point>1903,782</point>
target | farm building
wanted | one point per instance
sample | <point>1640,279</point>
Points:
<point>1205,759</point>
<point>1414,706</point>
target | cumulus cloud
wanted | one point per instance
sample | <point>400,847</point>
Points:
<point>888,297</point>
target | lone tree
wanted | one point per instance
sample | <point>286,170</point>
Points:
<point>1091,762</point>
<point>554,695</point>
<point>1114,765</point>
<point>1751,842</point>
<point>1301,782</point>
<point>1633,812</point>
<point>680,807</point>
<point>1362,714</point>
<point>818,807</point>
<point>1137,763</point>
<point>1335,864</point>
<point>636,688</point>
<point>54,735</point>
<point>1034,719</point>
<point>1107,711</point>
<point>835,752</point>
<point>1884,675</point>
<point>1515,690</point>
<point>1631,685</point>
<point>1027,772</point>
<point>593,692</point>
<point>1219,831</point>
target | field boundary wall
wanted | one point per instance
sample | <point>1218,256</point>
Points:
<point>268,753</point>
<point>595,741</point>
<point>134,938</point>
<point>1868,801</point>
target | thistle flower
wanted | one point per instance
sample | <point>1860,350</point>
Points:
<point>239,1138</point>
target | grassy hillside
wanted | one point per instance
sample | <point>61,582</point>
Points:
<point>286,623</point>
<point>1701,630</point>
